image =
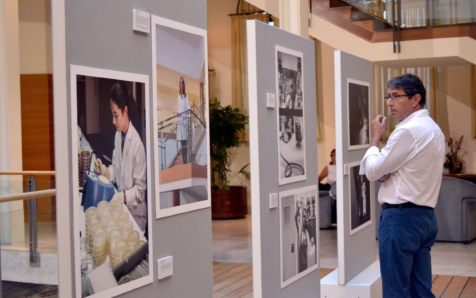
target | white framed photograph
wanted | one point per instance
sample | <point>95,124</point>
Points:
<point>360,199</point>
<point>112,213</point>
<point>299,236</point>
<point>290,114</point>
<point>182,153</point>
<point>358,99</point>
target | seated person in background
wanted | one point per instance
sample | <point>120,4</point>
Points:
<point>329,172</point>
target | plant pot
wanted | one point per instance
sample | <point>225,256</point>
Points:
<point>228,204</point>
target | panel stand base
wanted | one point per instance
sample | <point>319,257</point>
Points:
<point>367,284</point>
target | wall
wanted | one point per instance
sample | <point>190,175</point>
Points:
<point>326,101</point>
<point>35,36</point>
<point>99,34</point>
<point>458,101</point>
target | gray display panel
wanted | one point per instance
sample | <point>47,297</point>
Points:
<point>99,34</point>
<point>357,247</point>
<point>262,42</point>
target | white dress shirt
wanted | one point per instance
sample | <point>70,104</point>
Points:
<point>413,157</point>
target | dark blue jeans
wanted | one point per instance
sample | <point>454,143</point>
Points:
<point>406,236</point>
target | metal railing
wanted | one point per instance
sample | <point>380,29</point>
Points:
<point>168,128</point>
<point>404,14</point>
<point>31,196</point>
<point>419,13</point>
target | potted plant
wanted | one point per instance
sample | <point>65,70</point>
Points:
<point>226,124</point>
<point>454,162</point>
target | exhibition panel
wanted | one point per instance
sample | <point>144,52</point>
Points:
<point>283,150</point>
<point>357,248</point>
<point>103,68</point>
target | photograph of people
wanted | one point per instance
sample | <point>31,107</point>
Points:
<point>359,199</point>
<point>291,138</point>
<point>111,212</point>
<point>358,114</point>
<point>128,168</point>
<point>180,75</point>
<point>298,220</point>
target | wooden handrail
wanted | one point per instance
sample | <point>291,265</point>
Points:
<point>35,173</point>
<point>28,195</point>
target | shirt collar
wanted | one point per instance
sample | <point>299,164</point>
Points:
<point>128,134</point>
<point>414,115</point>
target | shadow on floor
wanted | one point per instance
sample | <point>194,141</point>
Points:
<point>18,289</point>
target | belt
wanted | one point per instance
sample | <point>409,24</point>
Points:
<point>404,205</point>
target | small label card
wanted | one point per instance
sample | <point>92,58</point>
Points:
<point>271,100</point>
<point>165,267</point>
<point>141,21</point>
<point>273,200</point>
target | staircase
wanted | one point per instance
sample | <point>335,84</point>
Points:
<point>372,26</point>
<point>198,136</point>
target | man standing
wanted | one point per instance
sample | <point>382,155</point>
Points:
<point>410,169</point>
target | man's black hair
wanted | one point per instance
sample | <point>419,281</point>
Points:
<point>410,84</point>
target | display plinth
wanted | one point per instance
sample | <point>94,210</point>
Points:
<point>367,284</point>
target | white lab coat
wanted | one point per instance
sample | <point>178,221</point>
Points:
<point>128,171</point>
<point>182,129</point>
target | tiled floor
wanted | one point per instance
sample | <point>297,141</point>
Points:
<point>232,243</point>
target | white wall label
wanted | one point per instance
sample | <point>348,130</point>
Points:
<point>273,200</point>
<point>165,267</point>
<point>346,169</point>
<point>141,21</point>
<point>271,100</point>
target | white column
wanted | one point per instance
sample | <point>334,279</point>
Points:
<point>4,147</point>
<point>294,16</point>
<point>10,131</point>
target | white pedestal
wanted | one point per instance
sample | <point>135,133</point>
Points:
<point>365,285</point>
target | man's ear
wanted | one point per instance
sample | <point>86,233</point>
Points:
<point>416,100</point>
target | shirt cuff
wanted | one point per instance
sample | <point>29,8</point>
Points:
<point>111,173</point>
<point>131,201</point>
<point>372,151</point>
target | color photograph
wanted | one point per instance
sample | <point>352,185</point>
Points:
<point>298,213</point>
<point>112,214</point>
<point>359,114</point>
<point>291,137</point>
<point>360,206</point>
<point>180,88</point>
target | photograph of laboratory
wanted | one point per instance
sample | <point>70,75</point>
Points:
<point>291,149</point>
<point>112,180</point>
<point>298,219</point>
<point>359,200</point>
<point>181,95</point>
<point>359,121</point>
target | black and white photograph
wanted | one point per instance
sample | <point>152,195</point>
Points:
<point>298,211</point>
<point>359,114</point>
<point>360,206</point>
<point>112,212</point>
<point>291,137</point>
<point>180,87</point>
